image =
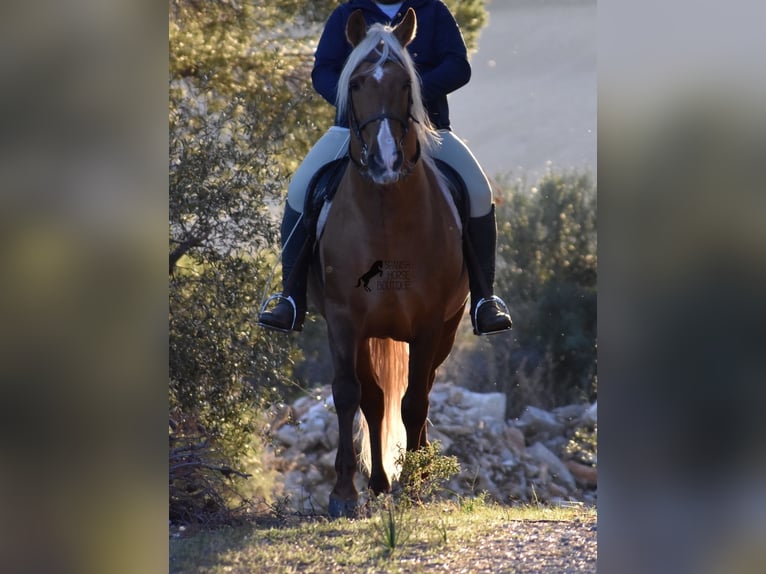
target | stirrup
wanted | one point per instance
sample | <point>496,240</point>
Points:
<point>475,317</point>
<point>280,297</point>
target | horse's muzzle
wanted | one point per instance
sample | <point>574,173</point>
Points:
<point>385,170</point>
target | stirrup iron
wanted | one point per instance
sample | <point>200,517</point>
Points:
<point>279,297</point>
<point>475,317</point>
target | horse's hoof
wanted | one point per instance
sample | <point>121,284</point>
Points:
<point>342,508</point>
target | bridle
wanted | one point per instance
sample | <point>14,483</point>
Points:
<point>357,126</point>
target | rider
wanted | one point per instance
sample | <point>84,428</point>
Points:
<point>440,56</point>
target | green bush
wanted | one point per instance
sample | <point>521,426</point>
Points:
<point>547,242</point>
<point>546,272</point>
<point>425,471</point>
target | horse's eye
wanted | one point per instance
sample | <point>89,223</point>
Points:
<point>406,86</point>
<point>354,85</point>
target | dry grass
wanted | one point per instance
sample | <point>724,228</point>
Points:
<point>468,535</point>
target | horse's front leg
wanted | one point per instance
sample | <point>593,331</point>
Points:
<point>415,401</point>
<point>372,404</point>
<point>346,392</point>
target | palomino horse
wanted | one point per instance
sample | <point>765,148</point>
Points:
<point>390,278</point>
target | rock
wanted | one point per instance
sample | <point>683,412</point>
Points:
<point>569,414</point>
<point>584,474</point>
<point>556,443</point>
<point>540,422</point>
<point>456,430</point>
<point>556,468</point>
<point>514,438</point>
<point>509,462</point>
<point>471,426</point>
<point>315,419</point>
<point>531,470</point>
<point>301,405</point>
<point>282,414</point>
<point>310,440</point>
<point>487,407</point>
<point>287,434</point>
<point>590,415</point>
<point>435,434</point>
<point>312,476</point>
<point>556,491</point>
<point>331,436</point>
<point>327,460</point>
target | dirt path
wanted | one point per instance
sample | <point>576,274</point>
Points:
<point>532,94</point>
<point>437,539</point>
<point>520,547</point>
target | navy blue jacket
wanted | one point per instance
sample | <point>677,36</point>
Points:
<point>438,51</point>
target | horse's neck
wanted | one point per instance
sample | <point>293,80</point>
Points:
<point>409,198</point>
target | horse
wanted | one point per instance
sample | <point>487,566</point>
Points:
<point>392,224</point>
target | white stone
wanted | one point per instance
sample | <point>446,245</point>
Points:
<point>569,414</point>
<point>556,468</point>
<point>534,420</point>
<point>287,434</point>
<point>487,407</point>
<point>591,414</point>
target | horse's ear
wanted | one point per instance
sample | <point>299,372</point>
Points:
<point>406,29</point>
<point>356,28</point>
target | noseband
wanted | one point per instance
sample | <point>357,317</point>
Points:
<point>358,127</point>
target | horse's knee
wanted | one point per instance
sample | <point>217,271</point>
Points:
<point>346,396</point>
<point>414,410</point>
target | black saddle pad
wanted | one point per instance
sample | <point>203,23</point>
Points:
<point>457,188</point>
<point>322,188</point>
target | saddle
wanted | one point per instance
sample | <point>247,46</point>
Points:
<point>322,188</point>
<point>326,180</point>
<point>458,189</point>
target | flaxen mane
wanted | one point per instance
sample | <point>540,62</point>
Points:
<point>381,41</point>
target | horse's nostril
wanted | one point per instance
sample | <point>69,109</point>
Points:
<point>398,161</point>
<point>376,163</point>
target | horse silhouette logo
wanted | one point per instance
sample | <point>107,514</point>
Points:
<point>376,269</point>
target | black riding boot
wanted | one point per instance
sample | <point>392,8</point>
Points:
<point>290,311</point>
<point>489,314</point>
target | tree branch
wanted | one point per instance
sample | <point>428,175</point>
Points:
<point>181,250</point>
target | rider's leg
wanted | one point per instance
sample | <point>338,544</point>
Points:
<point>489,314</point>
<point>290,310</point>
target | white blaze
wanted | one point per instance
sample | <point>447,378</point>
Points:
<point>386,142</point>
<point>387,145</point>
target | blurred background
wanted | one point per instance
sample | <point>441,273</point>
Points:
<point>86,190</point>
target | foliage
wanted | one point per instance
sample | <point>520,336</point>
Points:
<point>546,272</point>
<point>425,470</point>
<point>471,16</point>
<point>200,480</point>
<point>394,526</point>
<point>583,445</point>
<point>442,535</point>
<point>474,503</point>
<point>233,104</point>
<point>547,239</point>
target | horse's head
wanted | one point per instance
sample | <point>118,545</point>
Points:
<point>379,90</point>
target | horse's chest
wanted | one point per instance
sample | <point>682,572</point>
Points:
<point>385,261</point>
<point>379,273</point>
